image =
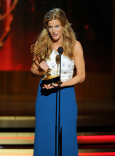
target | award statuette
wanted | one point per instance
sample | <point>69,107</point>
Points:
<point>48,79</point>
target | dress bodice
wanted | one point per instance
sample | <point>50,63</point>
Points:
<point>67,66</point>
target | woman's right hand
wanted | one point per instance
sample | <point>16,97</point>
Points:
<point>44,65</point>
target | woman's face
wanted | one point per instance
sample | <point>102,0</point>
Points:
<point>55,29</point>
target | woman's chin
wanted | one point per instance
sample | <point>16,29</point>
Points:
<point>55,39</point>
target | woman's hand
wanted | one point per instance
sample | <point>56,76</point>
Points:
<point>44,65</point>
<point>50,86</point>
<point>47,86</point>
<point>38,69</point>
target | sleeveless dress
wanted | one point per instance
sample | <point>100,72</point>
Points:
<point>47,115</point>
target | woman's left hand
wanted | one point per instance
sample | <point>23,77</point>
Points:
<point>50,86</point>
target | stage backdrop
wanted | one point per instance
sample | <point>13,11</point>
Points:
<point>21,21</point>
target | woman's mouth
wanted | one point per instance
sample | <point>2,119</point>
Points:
<point>54,35</point>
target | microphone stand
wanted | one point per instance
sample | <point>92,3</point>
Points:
<point>59,130</point>
<point>60,51</point>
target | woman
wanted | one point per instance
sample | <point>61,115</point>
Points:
<point>57,32</point>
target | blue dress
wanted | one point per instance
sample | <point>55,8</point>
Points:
<point>47,118</point>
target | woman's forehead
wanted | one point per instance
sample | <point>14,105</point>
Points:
<point>54,22</point>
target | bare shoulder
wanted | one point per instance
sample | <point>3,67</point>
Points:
<point>78,44</point>
<point>78,50</point>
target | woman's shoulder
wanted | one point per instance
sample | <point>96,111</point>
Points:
<point>77,48</point>
<point>77,44</point>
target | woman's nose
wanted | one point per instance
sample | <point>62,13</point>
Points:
<point>53,29</point>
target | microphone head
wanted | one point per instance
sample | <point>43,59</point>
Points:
<point>60,50</point>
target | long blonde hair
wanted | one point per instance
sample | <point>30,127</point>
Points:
<point>44,44</point>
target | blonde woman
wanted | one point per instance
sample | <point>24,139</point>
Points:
<point>57,32</point>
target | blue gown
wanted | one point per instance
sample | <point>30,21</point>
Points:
<point>47,115</point>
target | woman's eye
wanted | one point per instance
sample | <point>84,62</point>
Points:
<point>57,26</point>
<point>49,27</point>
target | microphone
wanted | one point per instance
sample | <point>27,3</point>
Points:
<point>60,50</point>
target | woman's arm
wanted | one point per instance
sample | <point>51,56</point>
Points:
<point>36,67</point>
<point>80,66</point>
